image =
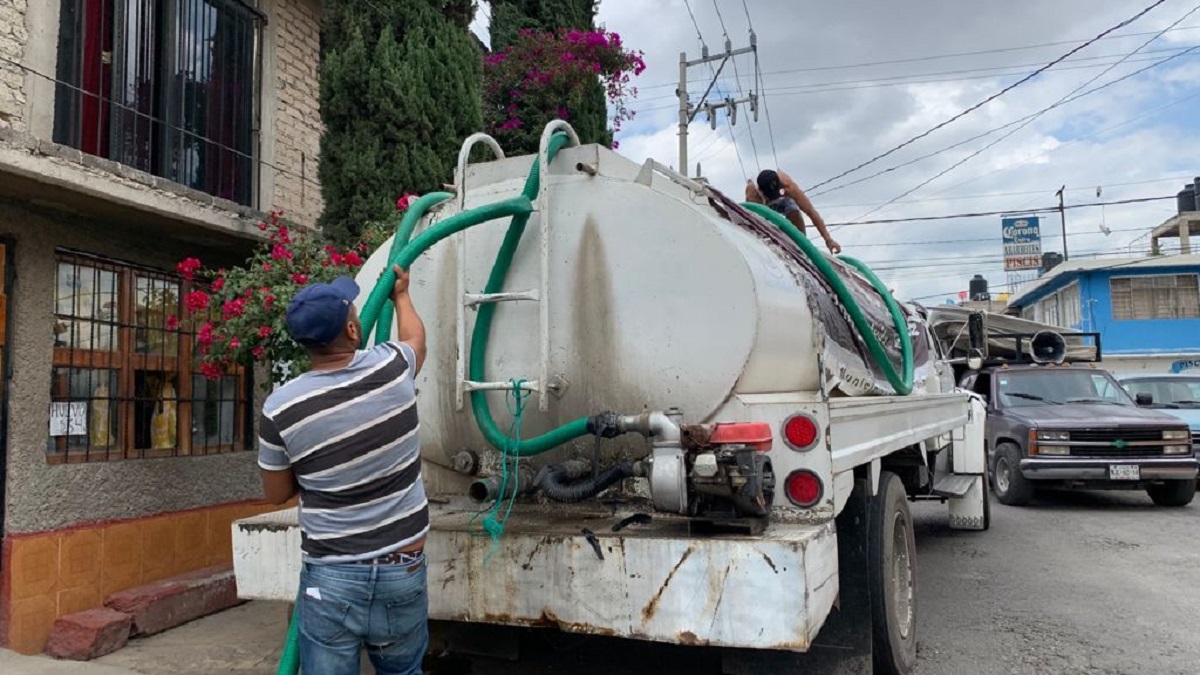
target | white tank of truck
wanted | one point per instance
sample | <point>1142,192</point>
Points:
<point>632,288</point>
<point>773,407</point>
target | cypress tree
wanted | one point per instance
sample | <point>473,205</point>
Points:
<point>509,17</point>
<point>400,90</point>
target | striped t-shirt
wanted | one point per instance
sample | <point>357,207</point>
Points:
<point>352,438</point>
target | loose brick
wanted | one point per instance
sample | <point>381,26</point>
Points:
<point>172,602</point>
<point>86,635</point>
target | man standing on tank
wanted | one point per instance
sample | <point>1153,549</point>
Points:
<point>344,435</point>
<point>777,190</point>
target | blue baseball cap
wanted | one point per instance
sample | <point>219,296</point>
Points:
<point>318,313</point>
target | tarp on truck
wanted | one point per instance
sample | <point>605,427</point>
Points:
<point>846,362</point>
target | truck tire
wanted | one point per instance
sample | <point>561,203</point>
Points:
<point>1173,492</point>
<point>892,567</point>
<point>1012,488</point>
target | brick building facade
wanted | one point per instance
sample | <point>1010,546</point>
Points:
<point>133,133</point>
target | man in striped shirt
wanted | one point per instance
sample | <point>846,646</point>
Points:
<point>345,436</point>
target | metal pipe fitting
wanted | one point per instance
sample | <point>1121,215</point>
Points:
<point>488,489</point>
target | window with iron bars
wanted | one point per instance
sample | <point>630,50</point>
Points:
<point>169,87</point>
<point>125,380</point>
<point>1159,296</point>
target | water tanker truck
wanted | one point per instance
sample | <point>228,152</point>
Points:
<point>651,412</point>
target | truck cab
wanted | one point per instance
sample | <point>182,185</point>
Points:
<point>1073,425</point>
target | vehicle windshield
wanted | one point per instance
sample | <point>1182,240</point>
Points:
<point>1056,386</point>
<point>1180,392</point>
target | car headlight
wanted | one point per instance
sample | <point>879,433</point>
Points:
<point>1053,450</point>
<point>1055,436</point>
<point>1177,450</point>
<point>1176,435</point>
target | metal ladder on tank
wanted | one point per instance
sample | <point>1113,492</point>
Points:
<point>542,384</point>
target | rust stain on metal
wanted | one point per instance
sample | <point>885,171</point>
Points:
<point>652,607</point>
<point>689,638</point>
<point>549,619</point>
<point>529,562</point>
<point>769,562</point>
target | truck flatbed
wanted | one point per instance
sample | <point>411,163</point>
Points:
<point>655,582</point>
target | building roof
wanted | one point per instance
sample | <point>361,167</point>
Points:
<point>1075,268</point>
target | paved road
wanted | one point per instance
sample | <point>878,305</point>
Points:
<point>1077,584</point>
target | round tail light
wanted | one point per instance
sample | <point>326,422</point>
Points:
<point>803,488</point>
<point>800,432</point>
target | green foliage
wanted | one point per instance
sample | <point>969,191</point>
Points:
<point>400,90</point>
<point>589,113</point>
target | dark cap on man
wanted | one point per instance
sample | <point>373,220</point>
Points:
<point>317,315</point>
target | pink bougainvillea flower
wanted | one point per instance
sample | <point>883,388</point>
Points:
<point>172,323</point>
<point>196,301</point>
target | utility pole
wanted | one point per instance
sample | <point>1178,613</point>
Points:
<point>1062,214</point>
<point>687,112</point>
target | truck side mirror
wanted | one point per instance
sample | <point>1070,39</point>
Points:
<point>1144,398</point>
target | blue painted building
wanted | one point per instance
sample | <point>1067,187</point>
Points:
<point>1147,310</point>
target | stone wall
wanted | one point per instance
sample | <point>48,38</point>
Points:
<point>13,36</point>
<point>292,95</point>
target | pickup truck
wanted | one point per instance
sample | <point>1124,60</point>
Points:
<point>1074,425</point>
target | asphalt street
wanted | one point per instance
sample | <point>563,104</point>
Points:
<point>1095,583</point>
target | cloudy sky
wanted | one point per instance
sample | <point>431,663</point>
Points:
<point>845,81</point>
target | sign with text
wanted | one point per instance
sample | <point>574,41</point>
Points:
<point>68,419</point>
<point>1022,243</point>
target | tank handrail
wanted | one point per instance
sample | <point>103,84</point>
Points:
<point>464,158</point>
<point>646,174</point>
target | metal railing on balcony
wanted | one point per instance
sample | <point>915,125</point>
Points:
<point>170,87</point>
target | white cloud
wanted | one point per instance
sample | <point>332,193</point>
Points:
<point>1113,137</point>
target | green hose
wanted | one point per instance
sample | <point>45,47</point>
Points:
<point>902,383</point>
<point>416,211</point>
<point>404,253</point>
<point>289,660</point>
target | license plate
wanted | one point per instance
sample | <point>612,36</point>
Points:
<point>1124,472</point>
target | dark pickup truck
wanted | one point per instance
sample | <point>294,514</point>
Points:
<point>1073,425</point>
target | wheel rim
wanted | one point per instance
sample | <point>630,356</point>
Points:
<point>1002,476</point>
<point>903,591</point>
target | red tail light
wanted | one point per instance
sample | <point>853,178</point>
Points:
<point>803,488</point>
<point>800,432</point>
<point>756,435</point>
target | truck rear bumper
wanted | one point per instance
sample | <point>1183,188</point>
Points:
<point>655,582</point>
<point>1183,468</point>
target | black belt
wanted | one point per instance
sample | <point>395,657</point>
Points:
<point>395,558</point>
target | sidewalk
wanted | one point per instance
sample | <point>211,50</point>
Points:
<point>245,640</point>
<point>12,662</point>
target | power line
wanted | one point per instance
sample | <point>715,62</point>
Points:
<point>699,36</point>
<point>720,18</point>
<point>893,80</point>
<point>766,110</point>
<point>741,94</point>
<point>988,195</point>
<point>935,57</point>
<point>1073,141</point>
<point>980,214</point>
<point>1023,121</point>
<point>979,240</point>
<point>900,81</point>
<point>1030,118</point>
<point>993,97</point>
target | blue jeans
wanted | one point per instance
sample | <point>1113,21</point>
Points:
<point>344,607</point>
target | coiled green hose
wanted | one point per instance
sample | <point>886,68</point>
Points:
<point>902,382</point>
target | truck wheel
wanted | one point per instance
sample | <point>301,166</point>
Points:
<point>1012,488</point>
<point>892,567</point>
<point>1173,492</point>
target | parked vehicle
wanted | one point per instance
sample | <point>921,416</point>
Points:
<point>763,465</point>
<point>1176,394</point>
<point>1055,417</point>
